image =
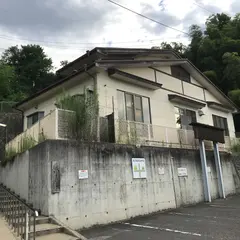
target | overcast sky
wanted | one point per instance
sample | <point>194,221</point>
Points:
<point>67,28</point>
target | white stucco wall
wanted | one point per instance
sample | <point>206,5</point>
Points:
<point>47,104</point>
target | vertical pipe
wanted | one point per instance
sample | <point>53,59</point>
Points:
<point>207,193</point>
<point>219,171</point>
<point>56,123</point>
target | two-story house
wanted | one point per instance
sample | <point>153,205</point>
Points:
<point>145,96</point>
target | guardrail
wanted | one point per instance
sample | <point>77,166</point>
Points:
<point>20,216</point>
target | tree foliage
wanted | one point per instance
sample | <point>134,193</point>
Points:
<point>64,63</point>
<point>32,67</point>
<point>215,50</point>
<point>177,47</point>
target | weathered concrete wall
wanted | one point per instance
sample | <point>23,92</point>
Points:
<point>15,175</point>
<point>110,193</point>
<point>39,177</point>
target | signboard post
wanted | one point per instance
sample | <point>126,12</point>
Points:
<point>139,168</point>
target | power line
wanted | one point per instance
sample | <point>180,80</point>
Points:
<point>151,19</point>
<point>64,45</point>
<point>200,6</point>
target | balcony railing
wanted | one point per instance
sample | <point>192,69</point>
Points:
<point>128,132</point>
<point>55,125</point>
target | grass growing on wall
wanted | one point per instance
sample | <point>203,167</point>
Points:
<point>9,156</point>
<point>236,148</point>
<point>27,142</point>
<point>82,115</point>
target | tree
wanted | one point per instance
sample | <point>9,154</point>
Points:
<point>32,67</point>
<point>7,80</point>
<point>231,71</point>
<point>64,63</point>
<point>215,50</point>
<point>177,47</point>
<point>234,95</point>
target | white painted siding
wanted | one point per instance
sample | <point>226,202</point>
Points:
<point>210,97</point>
<point>194,81</point>
<point>169,82</point>
<point>166,69</point>
<point>193,91</point>
<point>162,110</point>
<point>146,73</point>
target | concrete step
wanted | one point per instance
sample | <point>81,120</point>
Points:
<point>39,220</point>
<point>47,228</point>
<point>42,220</point>
<point>56,236</point>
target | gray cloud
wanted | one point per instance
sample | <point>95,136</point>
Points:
<point>53,18</point>
<point>163,16</point>
<point>235,7</point>
<point>160,15</point>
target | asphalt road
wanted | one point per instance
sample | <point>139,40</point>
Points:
<point>217,220</point>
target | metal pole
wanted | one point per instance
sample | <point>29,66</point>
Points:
<point>207,193</point>
<point>26,229</point>
<point>219,171</point>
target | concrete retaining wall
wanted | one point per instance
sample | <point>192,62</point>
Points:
<point>110,193</point>
<point>15,175</point>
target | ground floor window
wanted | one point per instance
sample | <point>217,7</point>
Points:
<point>221,122</point>
<point>183,117</point>
<point>133,107</point>
<point>33,118</point>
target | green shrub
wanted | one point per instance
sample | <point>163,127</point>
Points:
<point>236,147</point>
<point>82,121</point>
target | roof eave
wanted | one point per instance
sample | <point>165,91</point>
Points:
<point>52,86</point>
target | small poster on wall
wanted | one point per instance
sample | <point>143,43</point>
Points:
<point>161,171</point>
<point>182,172</point>
<point>82,174</point>
<point>139,168</point>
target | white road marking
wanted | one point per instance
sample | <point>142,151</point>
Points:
<point>181,214</point>
<point>205,216</point>
<point>164,229</point>
<point>222,206</point>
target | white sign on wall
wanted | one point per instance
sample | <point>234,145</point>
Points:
<point>208,169</point>
<point>182,172</point>
<point>82,174</point>
<point>161,171</point>
<point>139,168</point>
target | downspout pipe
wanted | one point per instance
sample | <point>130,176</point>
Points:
<point>22,113</point>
